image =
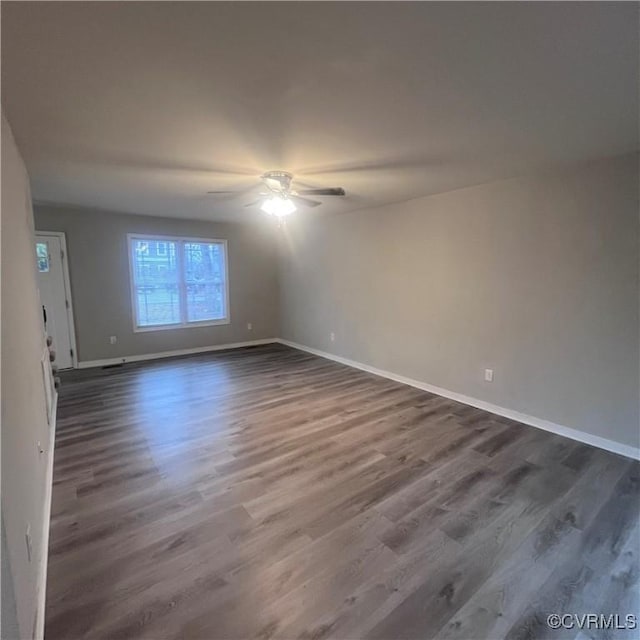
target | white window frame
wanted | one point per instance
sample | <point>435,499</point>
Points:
<point>183,324</point>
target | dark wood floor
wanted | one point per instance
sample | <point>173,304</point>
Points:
<point>267,493</point>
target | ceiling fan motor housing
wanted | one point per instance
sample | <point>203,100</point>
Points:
<point>278,180</point>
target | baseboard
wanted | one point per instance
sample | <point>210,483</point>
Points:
<point>87,364</point>
<point>38,632</point>
<point>567,432</point>
<point>574,434</point>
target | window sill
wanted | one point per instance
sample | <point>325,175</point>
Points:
<point>186,325</point>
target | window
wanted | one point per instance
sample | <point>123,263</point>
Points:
<point>42,255</point>
<point>178,282</point>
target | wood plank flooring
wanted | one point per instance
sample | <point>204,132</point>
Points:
<point>267,493</point>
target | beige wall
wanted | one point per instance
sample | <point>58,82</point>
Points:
<point>99,271</point>
<point>9,622</point>
<point>25,472</point>
<point>536,278</point>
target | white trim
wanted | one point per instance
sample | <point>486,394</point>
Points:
<point>67,286</point>
<point>546,425</point>
<point>181,325</point>
<point>567,432</point>
<point>87,364</point>
<point>44,560</point>
<point>179,242</point>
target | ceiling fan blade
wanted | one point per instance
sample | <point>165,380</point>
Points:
<point>239,192</point>
<point>331,191</point>
<point>305,201</point>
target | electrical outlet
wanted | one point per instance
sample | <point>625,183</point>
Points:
<point>249,326</point>
<point>332,337</point>
<point>488,375</point>
<point>113,339</point>
<point>29,542</point>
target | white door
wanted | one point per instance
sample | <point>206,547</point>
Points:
<point>54,296</point>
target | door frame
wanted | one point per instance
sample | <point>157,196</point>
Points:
<point>67,289</point>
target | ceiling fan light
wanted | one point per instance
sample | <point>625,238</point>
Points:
<point>278,206</point>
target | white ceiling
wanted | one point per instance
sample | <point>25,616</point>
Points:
<point>145,106</point>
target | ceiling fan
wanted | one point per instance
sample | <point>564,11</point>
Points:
<point>280,199</point>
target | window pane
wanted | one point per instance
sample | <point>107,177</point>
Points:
<point>205,302</point>
<point>204,265</point>
<point>156,282</point>
<point>158,305</point>
<point>42,255</point>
